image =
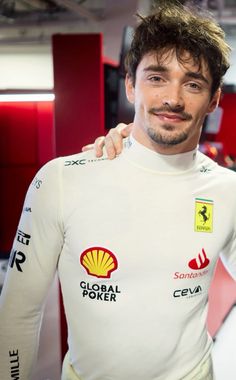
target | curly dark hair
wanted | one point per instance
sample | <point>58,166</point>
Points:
<point>174,26</point>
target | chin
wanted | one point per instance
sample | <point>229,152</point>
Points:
<point>167,139</point>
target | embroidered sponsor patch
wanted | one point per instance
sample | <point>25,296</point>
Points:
<point>203,215</point>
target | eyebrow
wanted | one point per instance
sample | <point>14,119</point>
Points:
<point>163,69</point>
<point>194,75</point>
<point>156,68</point>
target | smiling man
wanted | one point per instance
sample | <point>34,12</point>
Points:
<point>135,240</point>
<point>171,99</point>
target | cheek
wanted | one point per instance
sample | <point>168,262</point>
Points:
<point>146,101</point>
<point>198,120</point>
<point>140,101</point>
<point>199,110</point>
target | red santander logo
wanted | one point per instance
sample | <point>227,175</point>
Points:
<point>200,262</point>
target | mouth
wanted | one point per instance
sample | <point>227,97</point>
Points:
<point>170,117</point>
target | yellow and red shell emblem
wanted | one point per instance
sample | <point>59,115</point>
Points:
<point>99,262</point>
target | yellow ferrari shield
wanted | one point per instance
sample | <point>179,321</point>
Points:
<point>203,215</point>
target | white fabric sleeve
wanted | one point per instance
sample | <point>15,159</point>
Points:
<point>32,265</point>
<point>228,254</point>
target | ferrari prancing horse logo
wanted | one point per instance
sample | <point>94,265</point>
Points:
<point>203,215</point>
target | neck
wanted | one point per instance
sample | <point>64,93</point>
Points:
<point>148,159</point>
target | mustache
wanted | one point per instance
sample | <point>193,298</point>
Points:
<point>176,110</point>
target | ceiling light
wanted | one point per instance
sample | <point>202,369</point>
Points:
<point>27,97</point>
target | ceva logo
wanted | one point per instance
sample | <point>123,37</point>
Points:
<point>200,262</point>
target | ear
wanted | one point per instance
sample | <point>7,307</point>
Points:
<point>214,101</point>
<point>129,87</point>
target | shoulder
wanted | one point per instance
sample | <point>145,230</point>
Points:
<point>70,170</point>
<point>221,172</point>
<point>77,160</point>
<point>84,159</point>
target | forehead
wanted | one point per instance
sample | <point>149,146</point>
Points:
<point>172,60</point>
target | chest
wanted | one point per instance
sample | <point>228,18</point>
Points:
<point>147,224</point>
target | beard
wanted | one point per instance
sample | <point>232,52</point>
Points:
<point>167,139</point>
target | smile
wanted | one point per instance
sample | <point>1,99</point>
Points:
<point>170,117</point>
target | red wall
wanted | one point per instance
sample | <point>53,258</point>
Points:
<point>26,142</point>
<point>79,90</point>
<point>227,133</point>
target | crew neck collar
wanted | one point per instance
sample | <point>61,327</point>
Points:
<point>149,159</point>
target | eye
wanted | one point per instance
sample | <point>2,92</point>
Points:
<point>194,86</point>
<point>155,78</point>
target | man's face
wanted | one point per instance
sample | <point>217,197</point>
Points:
<point>171,101</point>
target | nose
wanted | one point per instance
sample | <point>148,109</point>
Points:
<point>173,98</point>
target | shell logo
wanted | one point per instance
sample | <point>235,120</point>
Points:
<point>99,262</point>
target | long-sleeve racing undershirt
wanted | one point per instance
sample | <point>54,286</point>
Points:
<point>135,242</point>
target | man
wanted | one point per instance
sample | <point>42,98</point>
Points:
<point>135,240</point>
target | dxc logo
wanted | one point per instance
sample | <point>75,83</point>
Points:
<point>17,258</point>
<point>76,162</point>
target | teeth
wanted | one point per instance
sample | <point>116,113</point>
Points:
<point>171,117</point>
